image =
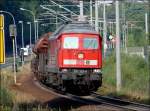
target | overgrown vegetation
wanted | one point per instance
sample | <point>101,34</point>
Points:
<point>135,77</point>
<point>6,97</point>
<point>137,39</point>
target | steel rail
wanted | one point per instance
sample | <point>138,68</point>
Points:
<point>59,93</point>
<point>122,103</point>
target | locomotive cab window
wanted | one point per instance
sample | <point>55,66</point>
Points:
<point>71,43</point>
<point>90,43</point>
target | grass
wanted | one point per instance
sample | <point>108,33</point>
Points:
<point>6,97</point>
<point>135,77</point>
<point>10,98</point>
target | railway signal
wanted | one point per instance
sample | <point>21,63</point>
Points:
<point>2,40</point>
<point>12,30</point>
<point>13,34</point>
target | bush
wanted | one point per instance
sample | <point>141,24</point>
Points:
<point>134,70</point>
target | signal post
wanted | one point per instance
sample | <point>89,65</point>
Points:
<point>2,40</point>
<point>12,31</point>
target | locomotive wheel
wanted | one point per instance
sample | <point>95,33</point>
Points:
<point>84,90</point>
<point>67,85</point>
<point>95,85</point>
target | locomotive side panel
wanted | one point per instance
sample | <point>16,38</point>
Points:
<point>53,54</point>
<point>42,63</point>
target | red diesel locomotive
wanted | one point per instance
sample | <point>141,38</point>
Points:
<point>70,59</point>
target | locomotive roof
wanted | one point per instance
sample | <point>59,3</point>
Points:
<point>74,27</point>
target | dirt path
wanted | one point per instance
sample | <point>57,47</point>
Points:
<point>26,85</point>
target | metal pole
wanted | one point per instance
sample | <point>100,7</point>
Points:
<point>30,35</point>
<point>127,33</point>
<point>110,27</point>
<point>56,21</point>
<point>124,16</point>
<point>105,28</point>
<point>146,25</point>
<point>81,8</point>
<point>30,41</point>
<point>30,32</point>
<point>100,24</point>
<point>37,30</point>
<point>22,36</point>
<point>14,59</point>
<point>122,27</point>
<point>34,24</point>
<point>91,12</point>
<point>21,22</point>
<point>118,68</point>
<point>125,37</point>
<point>22,56</point>
<point>96,15</point>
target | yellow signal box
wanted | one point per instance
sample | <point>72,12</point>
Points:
<point>2,40</point>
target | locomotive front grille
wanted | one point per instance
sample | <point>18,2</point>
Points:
<point>77,71</point>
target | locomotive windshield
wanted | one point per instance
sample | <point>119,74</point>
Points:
<point>71,42</point>
<point>90,43</point>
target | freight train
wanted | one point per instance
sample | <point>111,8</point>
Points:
<point>70,59</point>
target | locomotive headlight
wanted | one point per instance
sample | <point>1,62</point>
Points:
<point>80,56</point>
<point>97,70</point>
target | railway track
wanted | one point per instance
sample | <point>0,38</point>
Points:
<point>122,103</point>
<point>9,63</point>
<point>97,99</point>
